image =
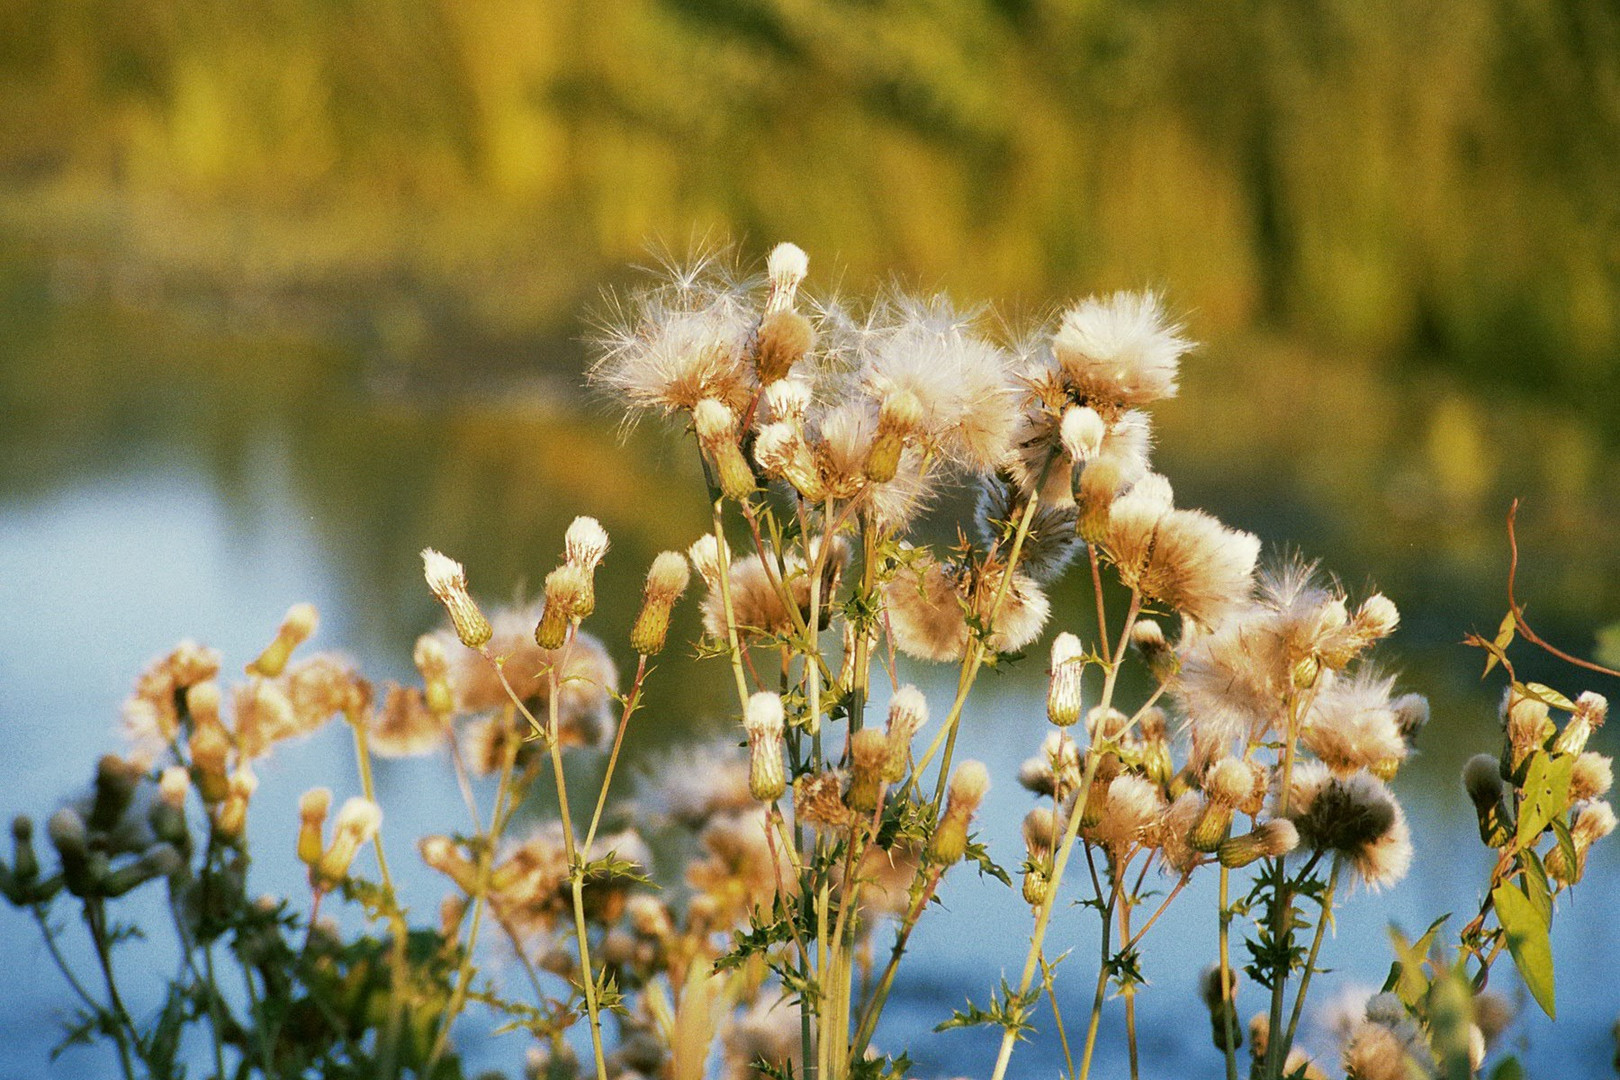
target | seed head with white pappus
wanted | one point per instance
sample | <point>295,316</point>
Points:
<point>448,581</point>
<point>1120,349</point>
<point>1352,725</point>
<point>1356,817</point>
<point>764,724</point>
<point>666,581</point>
<point>1063,703</point>
<point>908,712</point>
<point>968,785</point>
<point>297,626</point>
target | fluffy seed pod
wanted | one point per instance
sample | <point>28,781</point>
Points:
<point>966,792</point>
<point>1271,840</point>
<point>1227,783</point>
<point>1063,704</point>
<point>868,754</point>
<point>1220,996</point>
<point>898,417</point>
<point>764,723</point>
<point>785,267</point>
<point>356,823</point>
<point>785,337</point>
<point>1082,431</point>
<point>566,587</point>
<point>1528,727</point>
<point>1147,637</point>
<point>312,809</point>
<point>666,581</point>
<point>717,432</point>
<point>908,712</point>
<point>584,546</point>
<point>448,582</point>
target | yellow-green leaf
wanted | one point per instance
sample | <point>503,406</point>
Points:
<point>1545,794</point>
<point>1548,696</point>
<point>1528,943</point>
<point>1536,887</point>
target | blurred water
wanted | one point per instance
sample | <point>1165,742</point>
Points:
<point>196,491</point>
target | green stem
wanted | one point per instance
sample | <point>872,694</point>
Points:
<point>723,572</point>
<point>1057,1016</point>
<point>630,703</point>
<point>1310,961</point>
<point>1228,1007</point>
<point>123,1028</point>
<point>1102,976</point>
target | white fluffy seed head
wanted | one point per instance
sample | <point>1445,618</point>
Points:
<point>669,575</point>
<point>444,575</point>
<point>1082,432</point>
<point>968,785</point>
<point>712,419</point>
<point>787,265</point>
<point>1229,781</point>
<point>707,557</point>
<point>908,712</point>
<point>1378,615</point>
<point>585,543</point>
<point>764,718</point>
<point>789,399</point>
<point>360,817</point>
<point>1066,647</point>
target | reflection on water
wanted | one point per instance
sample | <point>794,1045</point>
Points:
<point>163,477</point>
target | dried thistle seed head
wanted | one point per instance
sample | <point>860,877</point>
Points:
<point>713,420</point>
<point>1482,778</point>
<point>1081,432</point>
<point>585,543</point>
<point>1593,821</point>
<point>430,658</point>
<point>1211,988</point>
<point>764,722</point>
<point>1063,692</point>
<point>786,266</point>
<point>789,400</point>
<point>1356,816</point>
<point>717,431</point>
<point>1133,803</point>
<point>1592,707</point>
<point>868,756</point>
<point>784,338</point>
<point>1528,723</point>
<point>448,582</point>
<point>1411,715</point>
<point>1199,566</point>
<point>566,588</point>
<point>709,558</point>
<point>967,789</point>
<point>1271,840</point>
<point>1591,777</point>
<point>1119,349</point>
<point>1105,722</point>
<point>297,626</point>
<point>1377,617</point>
<point>1147,637</point>
<point>775,447</point>
<point>818,800</point>
<point>668,577</point>
<point>908,712</point>
<point>1041,830</point>
<point>1229,781</point>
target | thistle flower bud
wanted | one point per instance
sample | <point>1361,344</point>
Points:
<point>767,778</point>
<point>1220,996</point>
<point>1482,778</point>
<point>24,863</point>
<point>584,546</point>
<point>312,808</point>
<point>1041,830</point>
<point>968,785</point>
<point>167,814</point>
<point>1147,637</point>
<point>783,340</point>
<point>1411,715</point>
<point>908,712</point>
<point>780,450</point>
<point>210,746</point>
<point>1094,493</point>
<point>1096,805</point>
<point>1528,727</point>
<point>115,789</point>
<point>1377,617</point>
<point>898,417</point>
<point>1305,672</point>
<point>868,754</point>
<point>296,627</point>
<point>71,839</point>
<point>1082,431</point>
<point>1593,821</point>
<point>1063,704</point>
<point>1156,761</point>
<point>202,703</point>
<point>1227,783</point>
<point>230,819</point>
<point>447,580</point>
<point>1268,841</point>
<point>666,581</point>
<point>717,433</point>
<point>356,823</point>
<point>566,587</point>
<point>434,666</point>
<point>785,267</point>
<point>159,860</point>
<point>1573,739</point>
<point>441,853</point>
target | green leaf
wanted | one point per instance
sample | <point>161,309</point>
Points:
<point>1508,1069</point>
<point>1407,978</point>
<point>1548,696</point>
<point>1504,638</point>
<point>1566,842</point>
<point>1536,886</point>
<point>1527,942</point>
<point>1545,794</point>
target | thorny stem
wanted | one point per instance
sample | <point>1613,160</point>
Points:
<point>1129,992</point>
<point>1097,591</point>
<point>1102,975</point>
<point>1310,960</point>
<point>1057,1016</point>
<point>1282,909</point>
<point>874,1007</point>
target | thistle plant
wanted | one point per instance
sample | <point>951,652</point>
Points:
<point>1211,713</point>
